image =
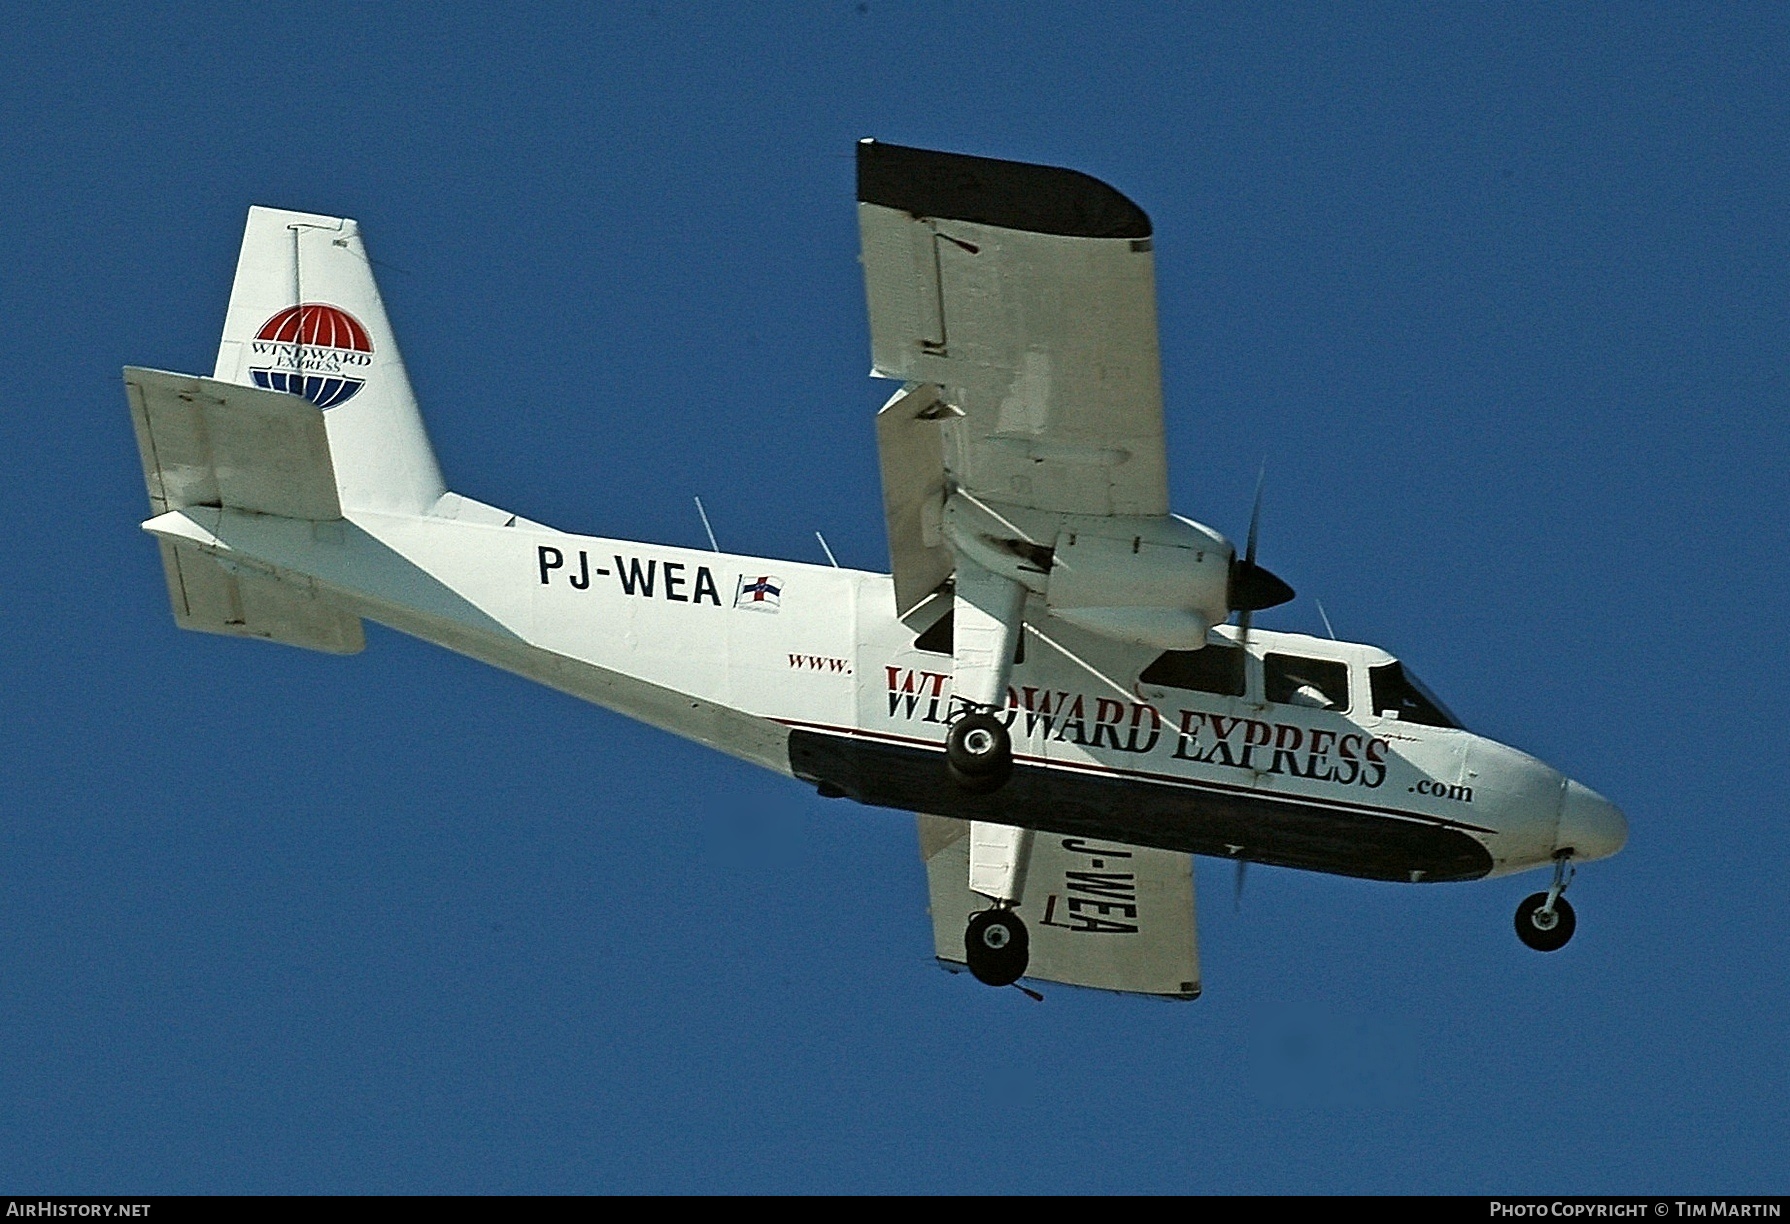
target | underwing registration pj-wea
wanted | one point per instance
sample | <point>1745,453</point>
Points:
<point>1051,674</point>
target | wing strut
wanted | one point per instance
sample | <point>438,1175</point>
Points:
<point>998,857</point>
<point>988,612</point>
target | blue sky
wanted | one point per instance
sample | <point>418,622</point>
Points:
<point>1499,296</point>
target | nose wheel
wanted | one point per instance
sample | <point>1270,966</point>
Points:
<point>1545,920</point>
<point>979,752</point>
<point>997,947</point>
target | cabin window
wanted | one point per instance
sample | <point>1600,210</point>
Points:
<point>940,640</point>
<point>1401,695</point>
<point>1213,669</point>
<point>1316,684</point>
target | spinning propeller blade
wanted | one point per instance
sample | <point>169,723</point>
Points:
<point>1255,513</point>
<point>1253,587</point>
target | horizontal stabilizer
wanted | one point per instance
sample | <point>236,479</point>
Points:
<point>1100,914</point>
<point>211,595</point>
<point>208,443</point>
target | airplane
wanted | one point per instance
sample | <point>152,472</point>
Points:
<point>1050,676</point>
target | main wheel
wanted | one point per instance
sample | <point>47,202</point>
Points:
<point>997,947</point>
<point>1541,930</point>
<point>979,752</point>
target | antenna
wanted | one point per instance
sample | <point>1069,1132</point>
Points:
<point>1321,612</point>
<point>825,549</point>
<point>704,515</point>
<point>298,307</point>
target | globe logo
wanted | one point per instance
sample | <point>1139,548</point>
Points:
<point>315,350</point>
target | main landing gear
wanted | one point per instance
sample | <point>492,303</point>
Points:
<point>997,946</point>
<point>979,752</point>
<point>1545,921</point>
<point>988,612</point>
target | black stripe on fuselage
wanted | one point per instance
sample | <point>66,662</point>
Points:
<point>1271,829</point>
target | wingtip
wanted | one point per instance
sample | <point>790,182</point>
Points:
<point>992,191</point>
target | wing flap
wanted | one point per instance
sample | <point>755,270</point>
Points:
<point>1101,914</point>
<point>911,449</point>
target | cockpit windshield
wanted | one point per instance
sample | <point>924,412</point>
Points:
<point>1400,694</point>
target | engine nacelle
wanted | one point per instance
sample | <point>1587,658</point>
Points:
<point>1163,582</point>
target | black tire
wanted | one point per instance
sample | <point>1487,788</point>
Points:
<point>997,947</point>
<point>979,752</point>
<point>1532,927</point>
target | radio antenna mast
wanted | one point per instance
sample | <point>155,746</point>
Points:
<point>704,515</point>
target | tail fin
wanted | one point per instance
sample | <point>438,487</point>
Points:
<point>306,317</point>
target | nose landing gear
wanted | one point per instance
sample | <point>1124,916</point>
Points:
<point>1545,920</point>
<point>997,947</point>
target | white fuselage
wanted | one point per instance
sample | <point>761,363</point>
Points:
<point>806,670</point>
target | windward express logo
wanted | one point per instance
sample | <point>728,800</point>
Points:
<point>1038,717</point>
<point>320,352</point>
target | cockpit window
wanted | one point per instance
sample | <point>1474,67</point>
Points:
<point>1402,695</point>
<point>1316,684</point>
<point>1214,669</point>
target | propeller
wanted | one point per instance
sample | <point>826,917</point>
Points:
<point>1252,586</point>
<point>1252,589</point>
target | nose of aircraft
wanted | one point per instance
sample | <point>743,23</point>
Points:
<point>1590,826</point>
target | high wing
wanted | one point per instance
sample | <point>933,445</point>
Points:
<point>1101,914</point>
<point>1019,303</point>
